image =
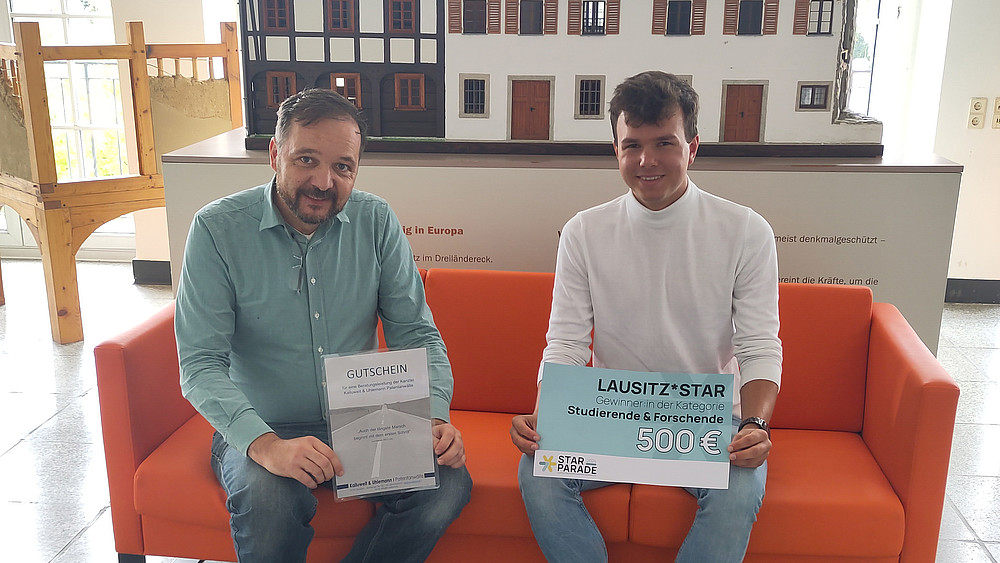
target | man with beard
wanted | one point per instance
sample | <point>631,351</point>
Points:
<point>275,277</point>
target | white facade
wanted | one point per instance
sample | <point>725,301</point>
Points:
<point>781,62</point>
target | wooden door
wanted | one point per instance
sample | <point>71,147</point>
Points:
<point>529,110</point>
<point>743,113</point>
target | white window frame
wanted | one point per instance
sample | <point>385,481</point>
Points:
<point>462,77</point>
<point>810,84</point>
<point>114,240</point>
<point>576,106</point>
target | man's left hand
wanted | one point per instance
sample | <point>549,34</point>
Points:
<point>749,447</point>
<point>448,444</point>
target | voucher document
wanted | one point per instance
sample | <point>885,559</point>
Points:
<point>380,422</point>
<point>634,427</point>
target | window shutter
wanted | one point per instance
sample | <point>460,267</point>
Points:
<point>770,26</point>
<point>551,17</point>
<point>730,17</point>
<point>659,17</point>
<point>454,16</point>
<point>492,16</point>
<point>510,22</point>
<point>613,16</point>
<point>698,17</point>
<point>801,22</point>
<point>575,13</point>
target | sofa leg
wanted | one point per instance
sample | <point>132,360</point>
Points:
<point>129,558</point>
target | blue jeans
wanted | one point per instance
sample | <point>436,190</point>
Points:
<point>565,531</point>
<point>270,515</point>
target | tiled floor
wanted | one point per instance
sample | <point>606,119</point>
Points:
<point>54,496</point>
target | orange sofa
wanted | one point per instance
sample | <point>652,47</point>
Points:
<point>862,433</point>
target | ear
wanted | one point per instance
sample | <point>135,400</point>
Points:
<point>615,145</point>
<point>272,150</point>
<point>694,150</point>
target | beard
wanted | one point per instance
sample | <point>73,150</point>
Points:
<point>294,202</point>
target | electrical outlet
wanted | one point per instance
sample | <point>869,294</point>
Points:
<point>978,105</point>
<point>996,120</point>
<point>996,105</point>
<point>977,121</point>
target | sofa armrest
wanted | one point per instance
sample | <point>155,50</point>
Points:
<point>909,420</point>
<point>138,384</point>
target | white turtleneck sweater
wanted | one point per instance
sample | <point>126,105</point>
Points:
<point>692,288</point>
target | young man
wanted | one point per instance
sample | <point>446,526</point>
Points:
<point>669,279</point>
<point>275,277</point>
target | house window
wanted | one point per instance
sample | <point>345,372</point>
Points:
<point>474,16</point>
<point>589,97</point>
<point>401,15</point>
<point>409,91</point>
<point>347,85</point>
<point>820,17</point>
<point>593,17</point>
<point>679,17</point>
<point>751,17</point>
<point>813,96</point>
<point>340,15</point>
<point>475,95</point>
<point>531,17</point>
<point>280,86</point>
<point>275,15</point>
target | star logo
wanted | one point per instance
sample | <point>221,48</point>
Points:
<point>548,464</point>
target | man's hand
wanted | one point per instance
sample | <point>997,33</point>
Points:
<point>522,433</point>
<point>448,445</point>
<point>307,460</point>
<point>749,447</point>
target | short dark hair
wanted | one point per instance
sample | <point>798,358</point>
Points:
<point>652,96</point>
<point>313,104</point>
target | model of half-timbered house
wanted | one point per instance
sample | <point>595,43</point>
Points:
<point>767,71</point>
<point>387,56</point>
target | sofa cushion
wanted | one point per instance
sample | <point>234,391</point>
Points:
<point>825,494</point>
<point>496,507</point>
<point>176,483</point>
<point>824,334</point>
<point>494,325</point>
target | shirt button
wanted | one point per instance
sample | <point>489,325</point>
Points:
<point>312,281</point>
<point>315,315</point>
<point>320,349</point>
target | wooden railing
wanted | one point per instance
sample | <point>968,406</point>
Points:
<point>61,215</point>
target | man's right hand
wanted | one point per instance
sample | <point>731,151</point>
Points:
<point>522,433</point>
<point>308,460</point>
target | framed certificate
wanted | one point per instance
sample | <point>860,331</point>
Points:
<point>380,422</point>
<point>634,427</point>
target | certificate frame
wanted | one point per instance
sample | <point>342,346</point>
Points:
<point>380,422</point>
<point>634,427</point>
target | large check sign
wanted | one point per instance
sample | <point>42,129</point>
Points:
<point>634,427</point>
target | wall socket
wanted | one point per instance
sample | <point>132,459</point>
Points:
<point>996,120</point>
<point>977,121</point>
<point>978,105</point>
<point>996,105</point>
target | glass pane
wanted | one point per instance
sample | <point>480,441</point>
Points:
<point>96,7</point>
<point>3,221</point>
<point>51,30</point>
<point>35,7</point>
<point>91,31</point>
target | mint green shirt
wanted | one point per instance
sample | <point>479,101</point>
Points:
<point>254,318</point>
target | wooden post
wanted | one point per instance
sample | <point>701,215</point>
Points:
<point>35,101</point>
<point>141,109</point>
<point>59,265</point>
<point>231,69</point>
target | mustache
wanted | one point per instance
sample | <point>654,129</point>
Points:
<point>317,193</point>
